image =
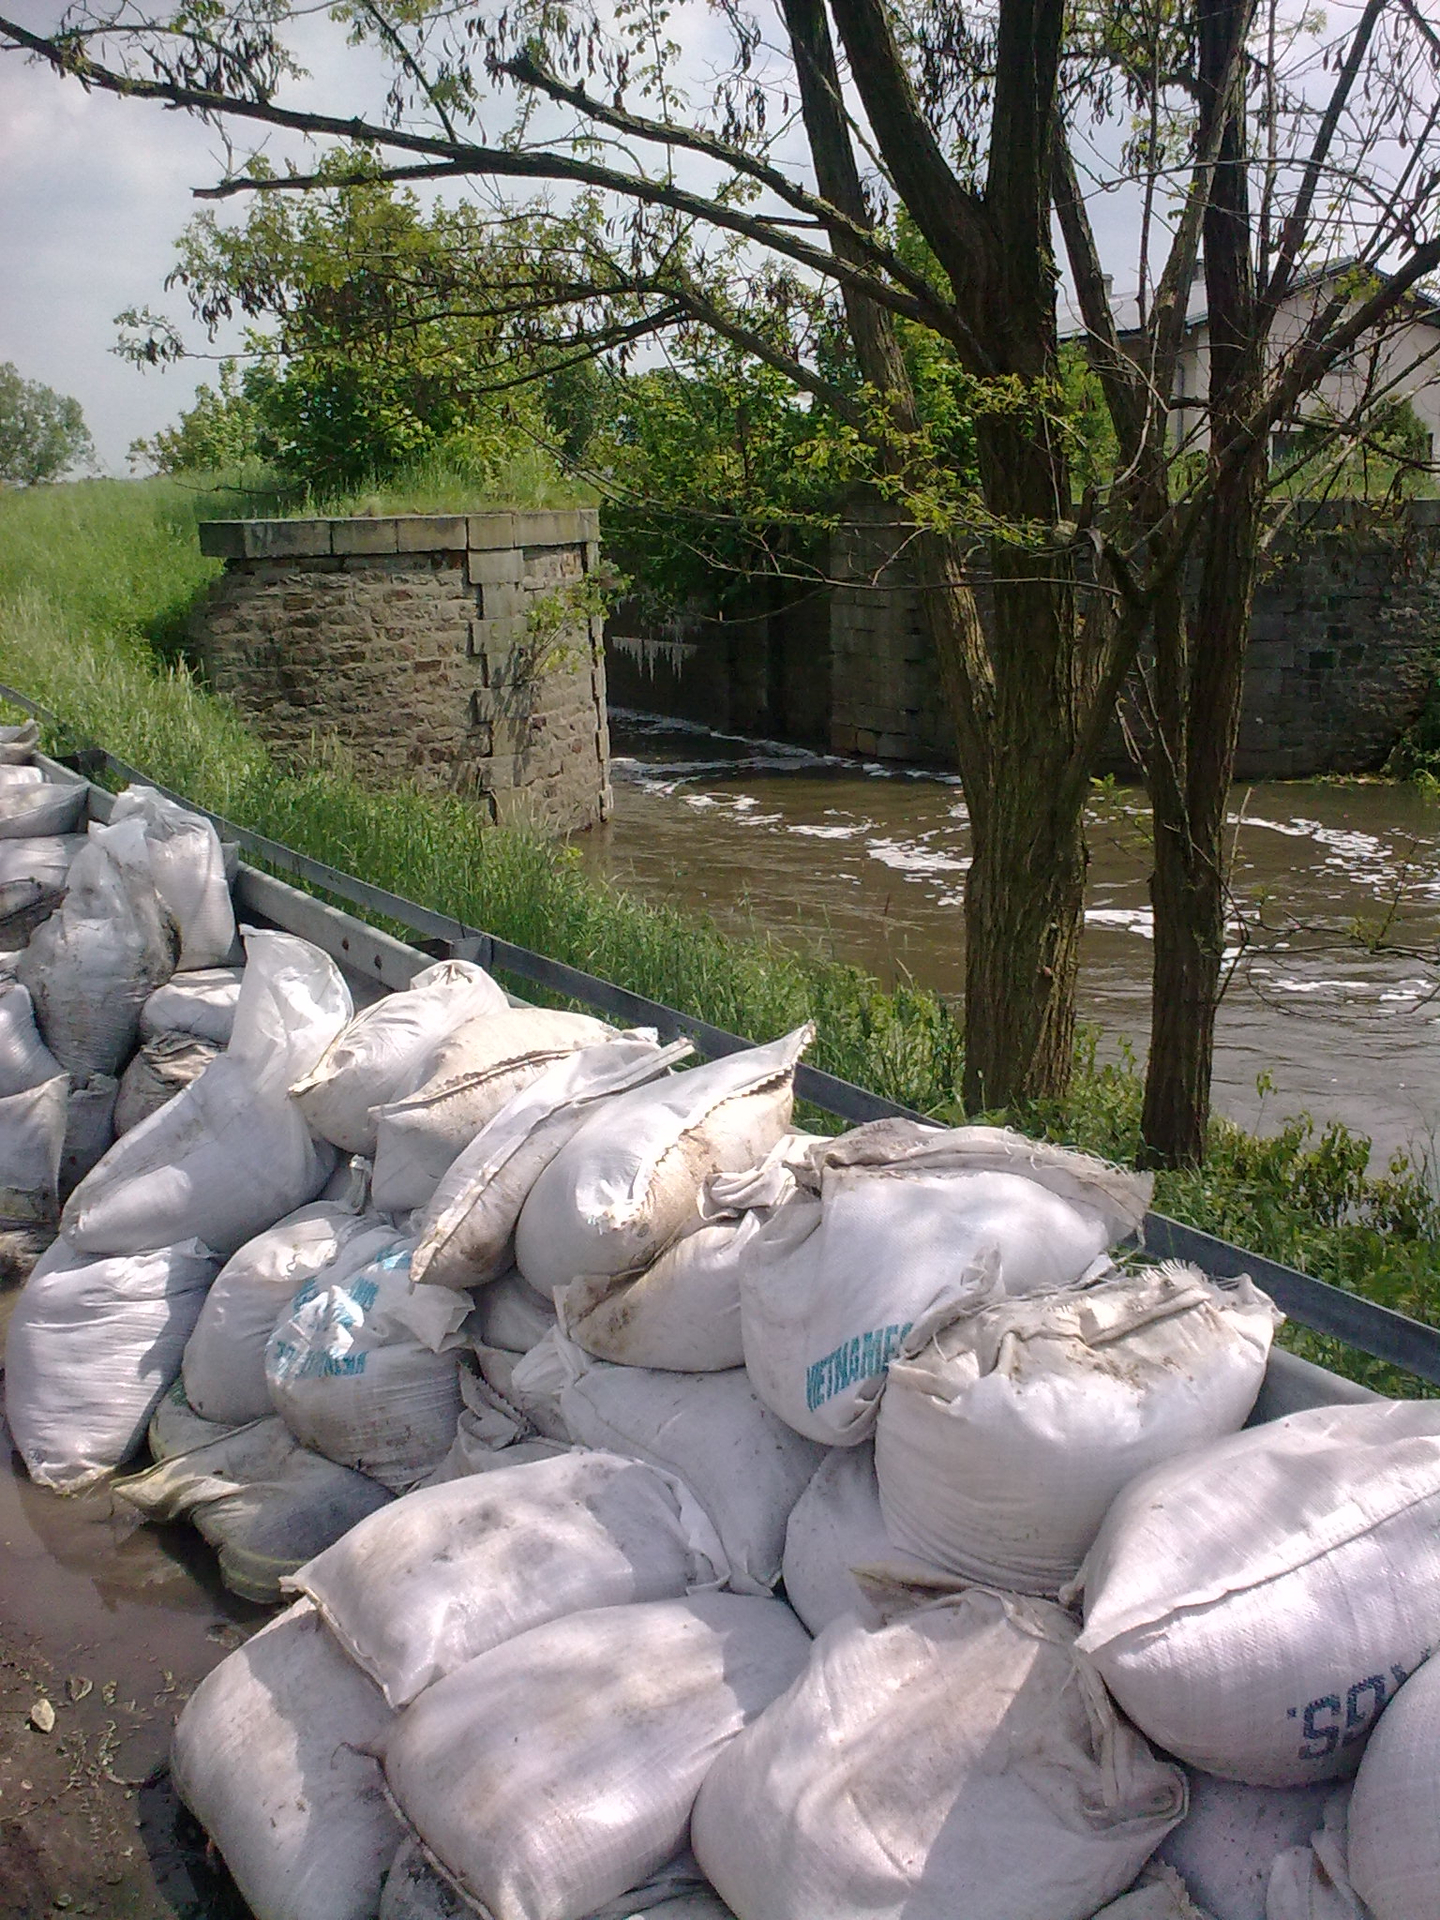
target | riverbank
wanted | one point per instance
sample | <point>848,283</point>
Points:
<point>94,580</point>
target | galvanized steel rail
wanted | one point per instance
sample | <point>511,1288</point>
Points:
<point>1325,1309</point>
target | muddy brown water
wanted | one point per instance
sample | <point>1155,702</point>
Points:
<point>869,863</point>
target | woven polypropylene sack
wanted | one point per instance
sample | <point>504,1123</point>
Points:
<point>270,1756</point>
<point>40,809</point>
<point>187,867</point>
<point>466,1233</point>
<point>630,1180</point>
<point>905,1225</point>
<point>956,1761</point>
<point>92,1346</point>
<point>416,1890</point>
<point>1004,1437</point>
<point>451,1571</point>
<point>389,1049</point>
<point>552,1773</point>
<point>201,1003</point>
<point>89,1128</point>
<point>32,1144</point>
<point>1254,1604</point>
<point>1313,1882</point>
<point>224,1364</point>
<point>33,877</point>
<point>1231,1837</point>
<point>509,1313</point>
<point>162,1068</point>
<point>745,1467</point>
<point>476,1070</point>
<point>25,1060</point>
<point>1395,1808</point>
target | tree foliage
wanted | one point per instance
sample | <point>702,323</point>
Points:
<point>42,433</point>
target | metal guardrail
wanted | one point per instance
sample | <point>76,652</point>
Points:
<point>1323,1308</point>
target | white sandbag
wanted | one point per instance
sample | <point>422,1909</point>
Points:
<point>629,1181</point>
<point>201,1003</point>
<point>416,1890</point>
<point>25,1060</point>
<point>265,1503</point>
<point>955,1762</point>
<point>230,1155</point>
<point>33,876</point>
<point>162,1068</point>
<point>92,1346</point>
<point>187,867</point>
<point>176,1428</point>
<point>683,1312</point>
<point>466,1231</point>
<point>350,1379</point>
<point>904,1224</point>
<point>1005,1433</point>
<point>389,1050</point>
<point>18,743</point>
<point>509,1313</point>
<point>92,965</point>
<point>1159,1894</point>
<point>1253,1605</point>
<point>1231,1837</point>
<point>481,1066</point>
<point>1394,1824</point>
<point>32,1142</point>
<point>224,1366</point>
<point>559,1769</point>
<point>12,776</point>
<point>836,1526</point>
<point>1313,1883</point>
<point>451,1571</point>
<point>745,1467</point>
<point>523,1391</point>
<point>89,1128</point>
<point>270,1755</point>
<point>34,811</point>
<point>471,1453</point>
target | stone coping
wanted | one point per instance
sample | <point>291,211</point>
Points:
<point>398,533</point>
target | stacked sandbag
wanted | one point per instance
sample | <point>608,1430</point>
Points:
<point>559,1769</point>
<point>1231,1837</point>
<point>449,1572</point>
<point>34,1094</point>
<point>629,1181</point>
<point>509,1313</point>
<point>231,1154</point>
<point>389,1050</point>
<point>1232,1590</point>
<point>186,865</point>
<point>480,1066</point>
<point>19,743</point>
<point>33,877</point>
<point>272,1754</point>
<point>224,1364</point>
<point>163,1067</point>
<point>93,1344</point>
<point>492,1432</point>
<point>1394,1814</point>
<point>32,808</point>
<point>265,1503</point>
<point>466,1232</point>
<point>955,1761</point>
<point>350,1377</point>
<point>1313,1882</point>
<point>898,1227</point>
<point>201,1004</point>
<point>1004,1437</point>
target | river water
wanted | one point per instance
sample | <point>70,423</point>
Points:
<point>867,862</point>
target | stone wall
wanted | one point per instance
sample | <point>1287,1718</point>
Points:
<point>456,651</point>
<point>1345,639</point>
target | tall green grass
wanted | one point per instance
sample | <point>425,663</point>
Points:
<point>95,581</point>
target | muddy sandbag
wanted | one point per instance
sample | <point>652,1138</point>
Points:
<point>1232,1836</point>
<point>349,1377</point>
<point>265,1503</point>
<point>41,810</point>
<point>479,1067</point>
<point>93,1344</point>
<point>89,1128</point>
<point>1230,1588</point>
<point>629,1181</point>
<point>835,1527</point>
<point>682,1313</point>
<point>25,1060</point>
<point>32,1143</point>
<point>162,1068</point>
<point>956,1761</point>
<point>1394,1822</point>
<point>509,1313</point>
<point>232,1154</point>
<point>92,965</point>
<point>33,877</point>
<point>466,1233</point>
<point>18,743</point>
<point>187,867</point>
<point>416,1890</point>
<point>271,1756</point>
<point>559,1769</point>
<point>224,1366</point>
<point>533,1543</point>
<point>201,1003</point>
<point>1007,1429</point>
<point>745,1467</point>
<point>389,1049</point>
<point>899,1222</point>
